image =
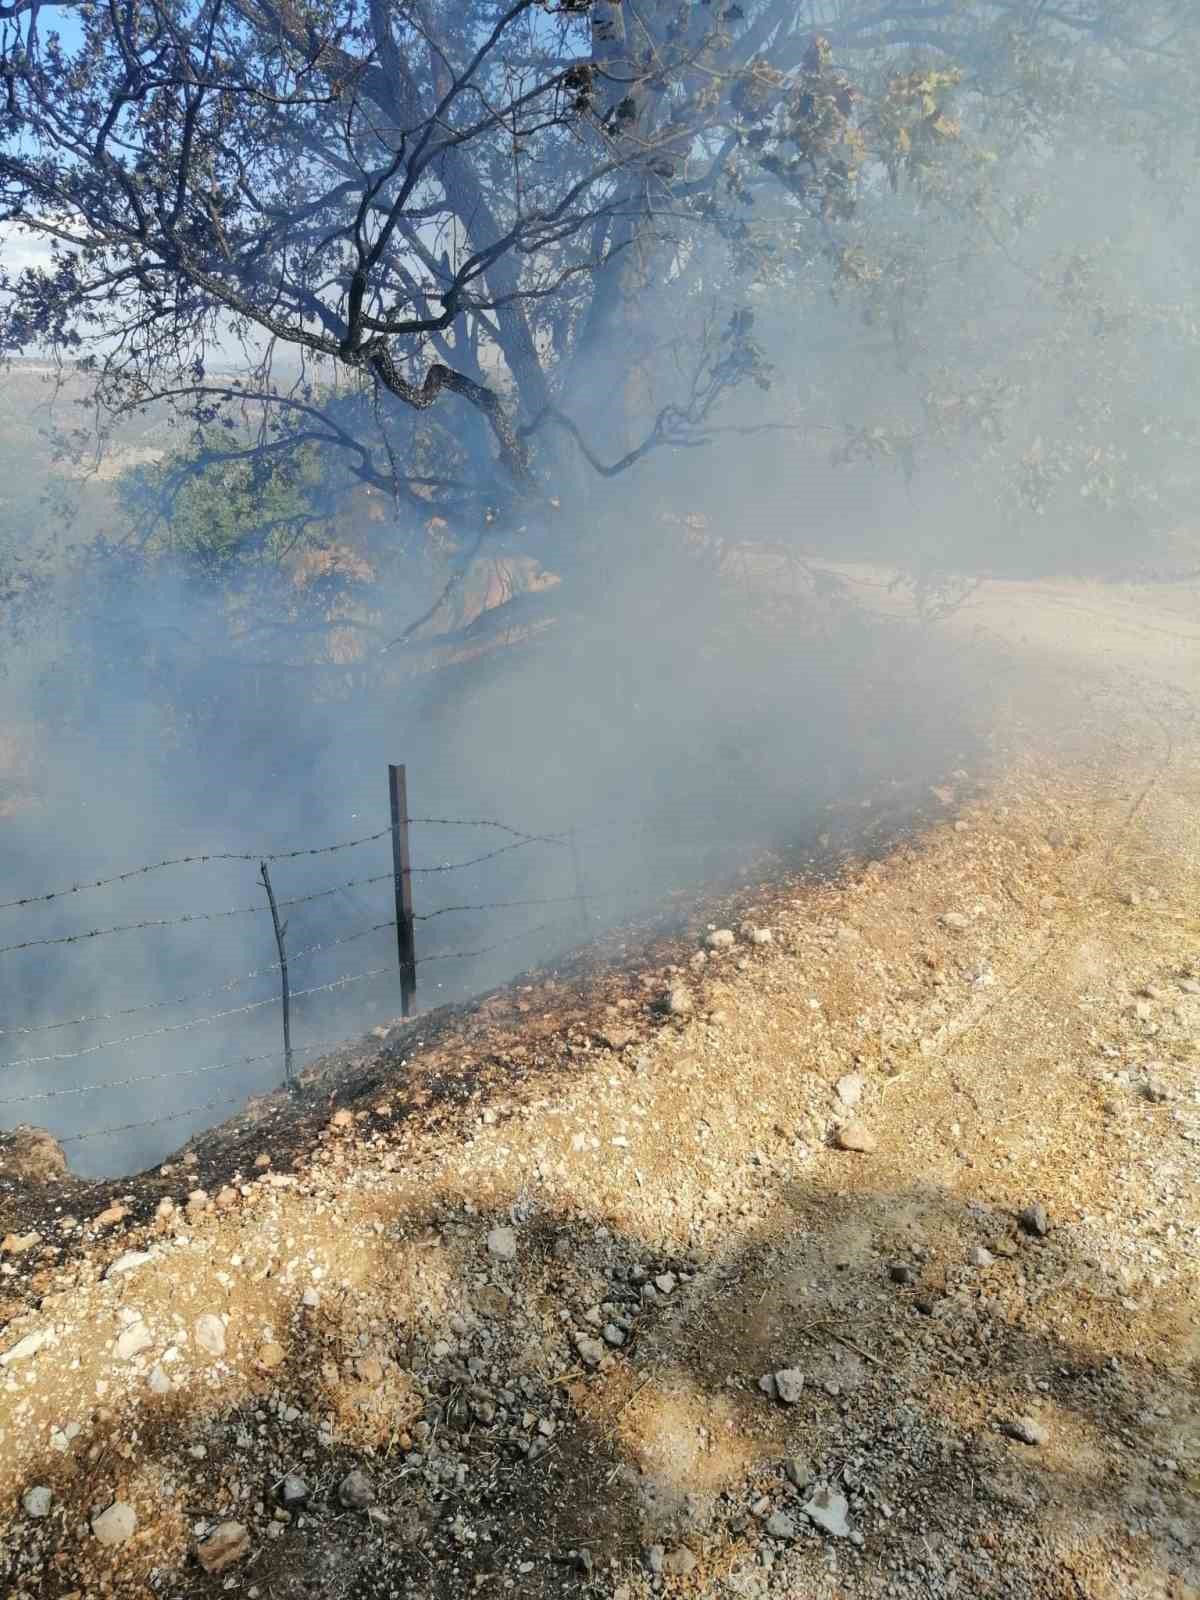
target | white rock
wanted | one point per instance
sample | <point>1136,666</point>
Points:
<point>720,939</point>
<point>159,1382</point>
<point>36,1502</point>
<point>26,1347</point>
<point>116,1524</point>
<point>130,1261</point>
<point>850,1088</point>
<point>133,1340</point>
<point>591,1351</point>
<point>502,1244</point>
<point>210,1333</point>
<point>789,1385</point>
<point>310,1298</point>
<point>828,1510</point>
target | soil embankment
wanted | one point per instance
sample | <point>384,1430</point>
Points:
<point>853,1254</point>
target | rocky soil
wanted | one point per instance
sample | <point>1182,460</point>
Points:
<point>843,1245</point>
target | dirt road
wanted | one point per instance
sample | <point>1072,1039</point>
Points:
<point>851,1252</point>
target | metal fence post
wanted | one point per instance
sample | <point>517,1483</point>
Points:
<point>280,933</point>
<point>406,946</point>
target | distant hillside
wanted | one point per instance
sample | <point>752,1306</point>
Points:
<point>38,402</point>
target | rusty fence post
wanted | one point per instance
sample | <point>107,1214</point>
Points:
<point>406,945</point>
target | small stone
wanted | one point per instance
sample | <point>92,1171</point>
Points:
<point>955,921</point>
<point>262,1159</point>
<point>980,1257</point>
<point>271,1355</point>
<point>616,1038</point>
<point>828,1510</point>
<point>502,1244</point>
<point>227,1197</point>
<point>680,1002</point>
<point>855,1136</point>
<point>590,1351</point>
<point>227,1543</point>
<point>133,1340</point>
<point>293,1491</point>
<point>111,1216</point>
<point>781,1526</point>
<point>666,1282</point>
<point>1156,1091</point>
<point>492,1302</point>
<point>356,1491</point>
<point>342,1119</point>
<point>1034,1220</point>
<point>368,1369</point>
<point>310,1299</point>
<point>129,1262</point>
<point>901,1272</point>
<point>614,1335</point>
<point>210,1333</point>
<point>679,1562</point>
<point>15,1244</point>
<point>789,1385</point>
<point>116,1524</point>
<point>165,1209</point>
<point>720,939</point>
<point>197,1201</point>
<point>655,1556</point>
<point>159,1382</point>
<point>798,1471</point>
<point>36,1502</point>
<point>760,935</point>
<point>850,1088</point>
<point>1025,1430</point>
<point>767,1384</point>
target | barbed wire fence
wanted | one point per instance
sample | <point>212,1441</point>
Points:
<point>43,1076</point>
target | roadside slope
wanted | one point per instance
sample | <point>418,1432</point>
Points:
<point>538,1321</point>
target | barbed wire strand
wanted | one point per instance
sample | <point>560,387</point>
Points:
<point>212,1105</point>
<point>193,1022</point>
<point>246,911</point>
<point>189,916</point>
<point>154,1122</point>
<point>525,933</point>
<point>162,1077</point>
<point>199,994</point>
<point>276,855</point>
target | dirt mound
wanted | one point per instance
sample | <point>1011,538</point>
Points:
<point>30,1156</point>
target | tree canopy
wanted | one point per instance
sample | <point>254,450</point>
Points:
<point>497,253</point>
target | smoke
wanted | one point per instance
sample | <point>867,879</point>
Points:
<point>699,699</point>
<point>684,733</point>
